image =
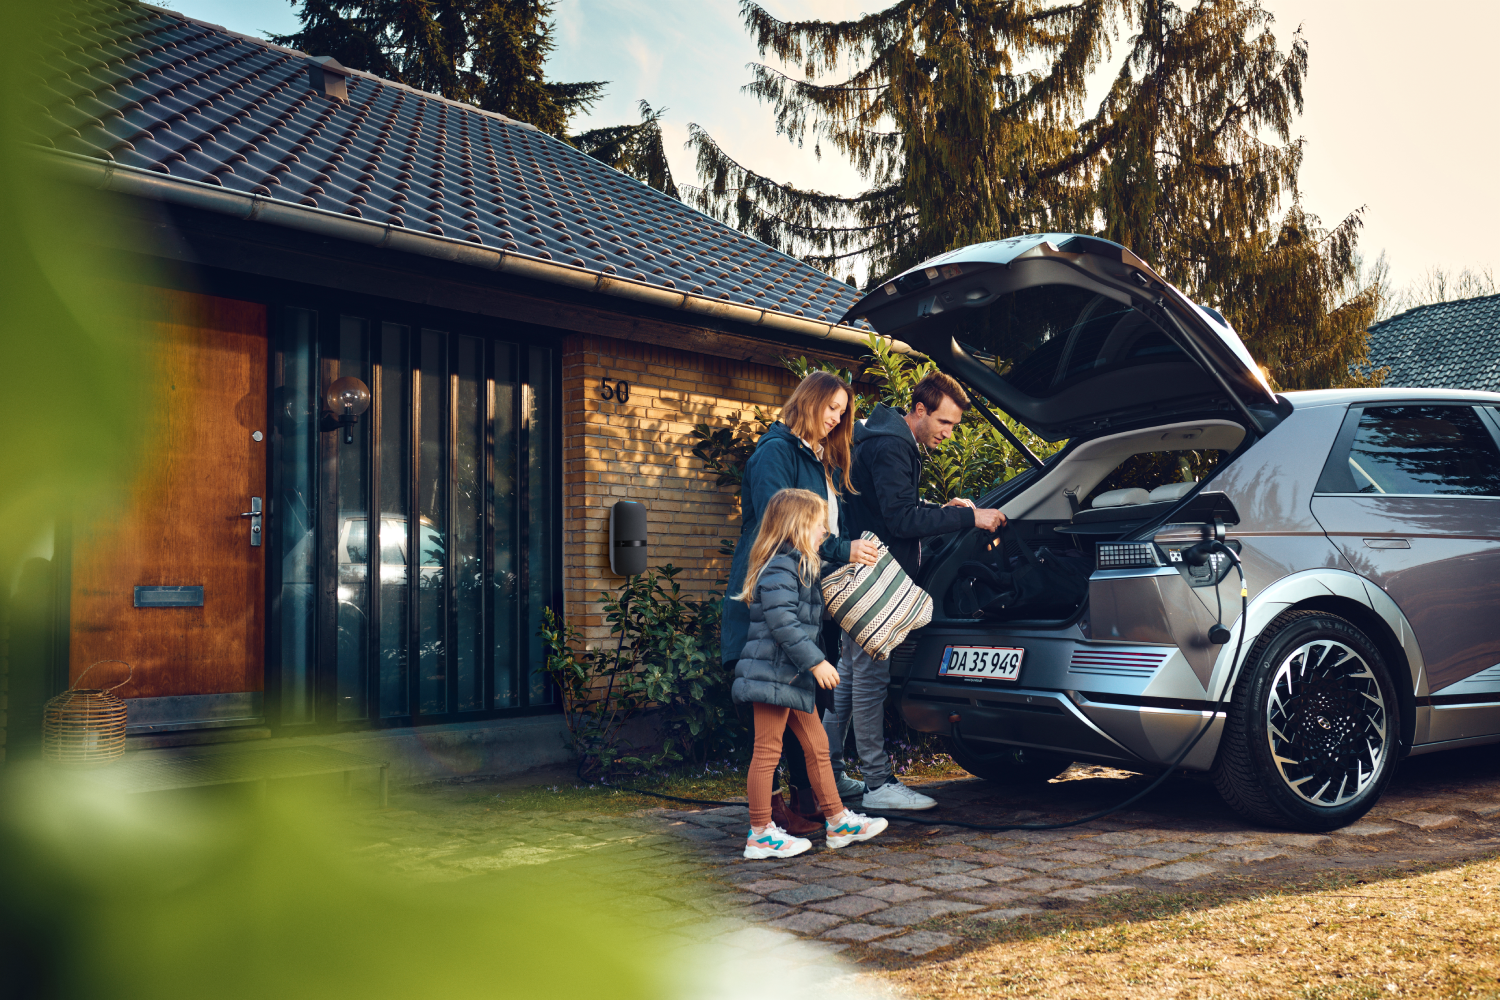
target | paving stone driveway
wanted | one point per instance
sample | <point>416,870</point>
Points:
<point>917,890</point>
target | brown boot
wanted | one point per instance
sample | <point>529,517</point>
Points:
<point>792,823</point>
<point>805,804</point>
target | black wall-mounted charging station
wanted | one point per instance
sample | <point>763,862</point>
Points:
<point>627,538</point>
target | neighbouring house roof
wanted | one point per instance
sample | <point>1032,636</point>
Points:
<point>1449,345</point>
<point>185,111</point>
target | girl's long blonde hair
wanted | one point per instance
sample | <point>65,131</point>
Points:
<point>803,415</point>
<point>796,516</point>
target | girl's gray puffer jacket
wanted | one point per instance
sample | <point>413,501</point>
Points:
<point>786,619</point>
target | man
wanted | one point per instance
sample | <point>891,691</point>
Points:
<point>888,450</point>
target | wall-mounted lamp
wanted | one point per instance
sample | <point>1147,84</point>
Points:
<point>345,400</point>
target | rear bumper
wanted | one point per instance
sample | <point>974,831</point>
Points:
<point>1133,705</point>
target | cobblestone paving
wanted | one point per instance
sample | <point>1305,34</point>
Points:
<point>918,891</point>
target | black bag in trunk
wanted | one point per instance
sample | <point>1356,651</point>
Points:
<point>1043,584</point>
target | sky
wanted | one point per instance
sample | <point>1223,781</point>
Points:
<point>1401,110</point>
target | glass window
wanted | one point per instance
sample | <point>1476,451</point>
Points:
<point>541,542</point>
<point>1423,450</point>
<point>508,650</point>
<point>443,527</point>
<point>394,403</point>
<point>432,526</point>
<point>469,476</point>
<point>294,440</point>
<point>1156,469</point>
<point>1046,338</point>
<point>354,597</point>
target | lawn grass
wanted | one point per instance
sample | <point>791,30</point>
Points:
<point>1429,933</point>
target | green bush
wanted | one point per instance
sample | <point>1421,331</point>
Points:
<point>664,655</point>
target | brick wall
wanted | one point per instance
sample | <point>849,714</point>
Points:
<point>642,450</point>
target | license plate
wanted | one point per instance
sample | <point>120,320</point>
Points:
<point>994,663</point>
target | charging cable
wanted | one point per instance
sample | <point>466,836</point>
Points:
<point>1196,556</point>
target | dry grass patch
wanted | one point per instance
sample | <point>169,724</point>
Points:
<point>1425,934</point>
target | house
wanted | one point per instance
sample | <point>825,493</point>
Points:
<point>407,352</point>
<point>1455,345</point>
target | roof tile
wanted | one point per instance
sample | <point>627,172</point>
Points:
<point>1454,345</point>
<point>152,89</point>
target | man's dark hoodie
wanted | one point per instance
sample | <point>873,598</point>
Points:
<point>887,469</point>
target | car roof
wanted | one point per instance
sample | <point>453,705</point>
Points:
<point>1308,398</point>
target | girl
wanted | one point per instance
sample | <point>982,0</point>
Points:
<point>808,448</point>
<point>779,666</point>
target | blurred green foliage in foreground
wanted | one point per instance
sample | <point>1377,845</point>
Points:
<point>120,897</point>
<point>72,407</point>
<point>108,895</point>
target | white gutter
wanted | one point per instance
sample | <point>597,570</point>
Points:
<point>109,176</point>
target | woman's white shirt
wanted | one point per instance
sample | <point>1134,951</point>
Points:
<point>833,496</point>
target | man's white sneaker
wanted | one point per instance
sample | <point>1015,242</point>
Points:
<point>851,828</point>
<point>773,842</point>
<point>848,788</point>
<point>894,795</point>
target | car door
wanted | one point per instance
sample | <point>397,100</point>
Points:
<point>1411,496</point>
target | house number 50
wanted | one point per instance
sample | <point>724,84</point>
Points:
<point>618,391</point>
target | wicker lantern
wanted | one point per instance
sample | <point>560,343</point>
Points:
<point>85,725</point>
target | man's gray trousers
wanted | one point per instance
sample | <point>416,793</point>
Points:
<point>860,699</point>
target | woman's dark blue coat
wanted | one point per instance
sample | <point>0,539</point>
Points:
<point>781,461</point>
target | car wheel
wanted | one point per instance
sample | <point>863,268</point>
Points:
<point>1007,765</point>
<point>1311,735</point>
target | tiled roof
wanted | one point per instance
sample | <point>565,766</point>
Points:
<point>1449,345</point>
<point>152,89</point>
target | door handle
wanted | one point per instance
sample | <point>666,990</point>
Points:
<point>1387,543</point>
<point>254,514</point>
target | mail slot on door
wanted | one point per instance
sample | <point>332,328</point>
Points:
<point>169,597</point>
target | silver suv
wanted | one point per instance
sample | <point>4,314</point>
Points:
<point>1102,624</point>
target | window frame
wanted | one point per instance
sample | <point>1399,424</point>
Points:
<point>1335,472</point>
<point>494,336</point>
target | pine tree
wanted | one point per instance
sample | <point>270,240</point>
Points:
<point>488,53</point>
<point>1188,159</point>
<point>637,149</point>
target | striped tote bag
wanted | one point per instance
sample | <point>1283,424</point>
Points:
<point>877,605</point>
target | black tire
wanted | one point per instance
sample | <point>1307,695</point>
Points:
<point>1007,765</point>
<point>1313,728</point>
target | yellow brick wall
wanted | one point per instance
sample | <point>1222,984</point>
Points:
<point>643,450</point>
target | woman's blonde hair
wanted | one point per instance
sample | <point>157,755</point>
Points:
<point>803,415</point>
<point>796,516</point>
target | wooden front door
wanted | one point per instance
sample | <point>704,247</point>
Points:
<point>180,525</point>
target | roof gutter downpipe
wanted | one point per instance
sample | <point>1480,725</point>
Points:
<point>121,179</point>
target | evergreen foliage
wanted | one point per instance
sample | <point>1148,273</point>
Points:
<point>967,120</point>
<point>970,464</point>
<point>488,53</point>
<point>636,150</point>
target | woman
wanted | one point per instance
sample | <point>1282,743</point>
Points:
<point>807,449</point>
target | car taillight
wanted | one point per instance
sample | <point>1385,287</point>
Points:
<point>1125,555</point>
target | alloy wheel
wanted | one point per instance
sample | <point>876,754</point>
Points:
<point>1326,723</point>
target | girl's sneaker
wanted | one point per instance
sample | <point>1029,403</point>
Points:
<point>774,842</point>
<point>852,827</point>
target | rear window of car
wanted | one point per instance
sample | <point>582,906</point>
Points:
<point>1046,338</point>
<point>1151,469</point>
<point>1415,450</point>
